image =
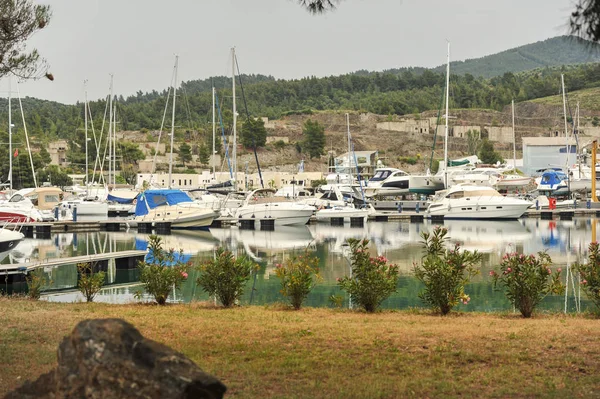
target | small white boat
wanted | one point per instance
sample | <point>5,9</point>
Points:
<point>261,204</point>
<point>347,212</point>
<point>388,182</point>
<point>475,202</point>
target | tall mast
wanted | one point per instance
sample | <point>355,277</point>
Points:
<point>10,152</point>
<point>447,116</point>
<point>214,131</point>
<point>85,111</point>
<point>115,143</point>
<point>110,133</point>
<point>514,137</point>
<point>234,153</point>
<point>562,80</point>
<point>349,143</point>
<point>173,122</point>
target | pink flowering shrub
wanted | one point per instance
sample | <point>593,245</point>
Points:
<point>444,272</point>
<point>160,273</point>
<point>372,281</point>
<point>590,274</point>
<point>527,280</point>
<point>298,276</point>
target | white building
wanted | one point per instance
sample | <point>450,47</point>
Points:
<point>548,152</point>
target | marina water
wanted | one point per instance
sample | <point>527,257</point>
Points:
<point>565,241</point>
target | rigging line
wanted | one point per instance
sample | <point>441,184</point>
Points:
<point>26,137</point>
<point>439,117</point>
<point>107,139</point>
<point>96,144</point>
<point>162,125</point>
<point>248,118</point>
<point>224,137</point>
<point>187,107</point>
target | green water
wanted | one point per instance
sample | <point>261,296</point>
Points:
<point>565,241</point>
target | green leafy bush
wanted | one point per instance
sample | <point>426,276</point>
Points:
<point>444,272</point>
<point>162,272</point>
<point>89,283</point>
<point>590,274</point>
<point>372,281</point>
<point>225,277</point>
<point>36,281</point>
<point>298,277</point>
<point>527,280</point>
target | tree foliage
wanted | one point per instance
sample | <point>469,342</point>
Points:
<point>254,133</point>
<point>487,154</point>
<point>314,138</point>
<point>20,19</point>
<point>185,153</point>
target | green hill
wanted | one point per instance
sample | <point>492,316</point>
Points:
<point>588,99</point>
<point>557,51</point>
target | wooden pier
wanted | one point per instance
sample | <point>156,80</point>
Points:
<point>123,260</point>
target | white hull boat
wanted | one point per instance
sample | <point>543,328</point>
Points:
<point>260,204</point>
<point>9,239</point>
<point>476,202</point>
<point>346,212</point>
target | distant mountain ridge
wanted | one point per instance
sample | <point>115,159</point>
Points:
<point>557,51</point>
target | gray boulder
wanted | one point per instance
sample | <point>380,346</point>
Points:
<point>109,358</point>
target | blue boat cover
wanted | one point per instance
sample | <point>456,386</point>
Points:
<point>151,199</point>
<point>553,178</point>
<point>119,199</point>
<point>142,245</point>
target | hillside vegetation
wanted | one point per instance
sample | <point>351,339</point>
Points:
<point>394,92</point>
<point>557,51</point>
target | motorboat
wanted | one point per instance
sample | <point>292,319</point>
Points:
<point>552,181</point>
<point>261,204</point>
<point>21,207</point>
<point>293,191</point>
<point>174,206</point>
<point>350,207</point>
<point>505,181</point>
<point>347,212</point>
<point>9,239</point>
<point>475,202</point>
<point>388,182</point>
<point>84,206</point>
<point>426,184</point>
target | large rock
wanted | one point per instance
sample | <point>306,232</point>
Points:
<point>109,358</point>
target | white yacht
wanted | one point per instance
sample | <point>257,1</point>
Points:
<point>475,202</point>
<point>351,207</point>
<point>261,204</point>
<point>174,206</point>
<point>388,182</point>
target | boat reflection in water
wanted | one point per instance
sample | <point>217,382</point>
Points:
<point>401,242</point>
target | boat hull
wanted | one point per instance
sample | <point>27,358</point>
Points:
<point>179,217</point>
<point>427,185</point>
<point>325,215</point>
<point>283,216</point>
<point>479,209</point>
<point>9,239</point>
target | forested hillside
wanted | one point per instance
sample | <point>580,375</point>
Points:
<point>393,92</point>
<point>557,51</point>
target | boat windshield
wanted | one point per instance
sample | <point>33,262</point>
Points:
<point>381,175</point>
<point>474,193</point>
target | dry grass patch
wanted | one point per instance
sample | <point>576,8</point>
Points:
<point>269,352</point>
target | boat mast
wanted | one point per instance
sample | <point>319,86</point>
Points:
<point>10,152</point>
<point>115,144</point>
<point>173,122</point>
<point>110,133</point>
<point>514,137</point>
<point>234,152</point>
<point>214,127</point>
<point>447,115</point>
<point>562,80</point>
<point>349,143</point>
<point>85,111</point>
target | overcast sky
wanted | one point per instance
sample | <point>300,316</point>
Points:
<point>137,39</point>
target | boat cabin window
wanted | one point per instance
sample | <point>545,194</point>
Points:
<point>34,199</point>
<point>16,198</point>
<point>48,198</point>
<point>456,194</point>
<point>381,175</point>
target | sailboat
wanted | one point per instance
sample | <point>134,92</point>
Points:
<point>348,210</point>
<point>170,205</point>
<point>466,201</point>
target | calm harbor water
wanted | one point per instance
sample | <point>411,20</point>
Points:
<point>565,241</point>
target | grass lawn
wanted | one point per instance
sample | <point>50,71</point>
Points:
<point>272,352</point>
